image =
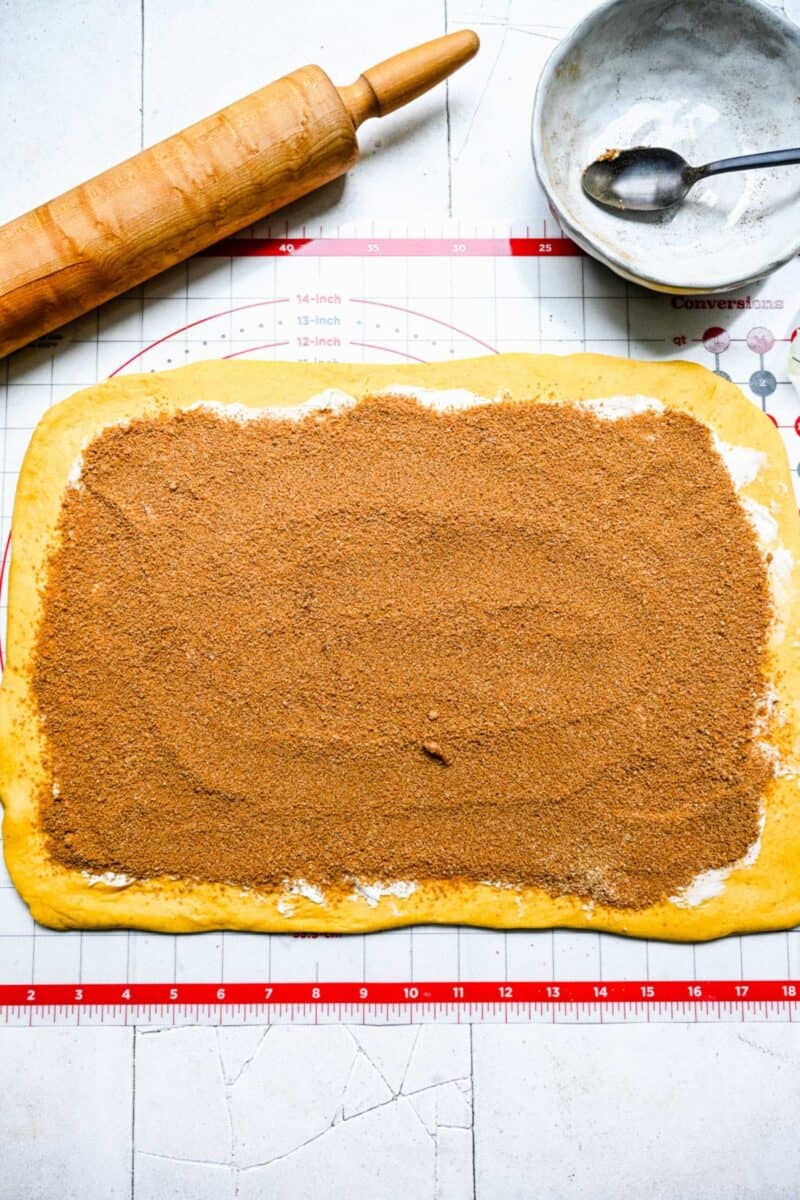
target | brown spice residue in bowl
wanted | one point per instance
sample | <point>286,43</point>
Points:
<point>261,672</point>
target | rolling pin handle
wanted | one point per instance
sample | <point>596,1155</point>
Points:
<point>360,101</point>
<point>402,78</point>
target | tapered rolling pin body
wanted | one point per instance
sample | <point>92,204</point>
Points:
<point>142,216</point>
<point>146,214</point>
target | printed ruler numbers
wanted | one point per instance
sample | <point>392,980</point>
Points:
<point>379,1003</point>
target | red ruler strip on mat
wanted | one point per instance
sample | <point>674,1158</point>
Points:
<point>629,992</point>
<point>393,247</point>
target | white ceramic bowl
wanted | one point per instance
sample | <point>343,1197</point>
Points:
<point>708,78</point>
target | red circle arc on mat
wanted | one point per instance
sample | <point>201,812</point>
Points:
<point>252,349</point>
<point>426,317</point>
<point>192,325</point>
<point>389,350</point>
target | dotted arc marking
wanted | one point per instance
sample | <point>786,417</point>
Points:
<point>426,317</point>
<point>193,325</point>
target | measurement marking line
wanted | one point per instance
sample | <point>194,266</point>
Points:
<point>389,350</point>
<point>133,1113</point>
<point>376,248</point>
<point>253,349</point>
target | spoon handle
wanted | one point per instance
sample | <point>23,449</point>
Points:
<point>747,162</point>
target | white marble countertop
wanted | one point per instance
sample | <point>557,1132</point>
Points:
<point>529,1112</point>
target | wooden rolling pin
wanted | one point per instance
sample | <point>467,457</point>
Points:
<point>205,183</point>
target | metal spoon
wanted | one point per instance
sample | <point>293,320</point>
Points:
<point>648,178</point>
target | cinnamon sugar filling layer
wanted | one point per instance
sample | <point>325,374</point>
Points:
<point>516,643</point>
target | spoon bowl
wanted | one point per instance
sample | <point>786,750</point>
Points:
<point>705,78</point>
<point>644,179</point>
<point>649,178</point>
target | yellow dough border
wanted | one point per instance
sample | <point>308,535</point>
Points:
<point>763,895</point>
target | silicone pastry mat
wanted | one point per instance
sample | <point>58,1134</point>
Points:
<point>390,295</point>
